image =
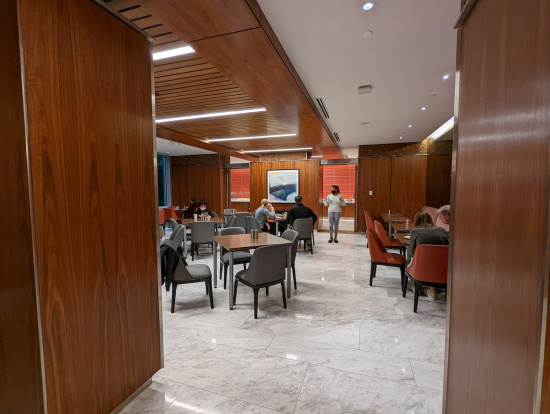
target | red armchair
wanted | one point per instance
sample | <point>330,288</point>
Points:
<point>428,268</point>
<point>379,256</point>
<point>386,241</point>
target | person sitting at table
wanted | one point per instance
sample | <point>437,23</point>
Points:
<point>263,212</point>
<point>201,210</point>
<point>425,232</point>
<point>444,217</point>
<point>298,211</point>
<point>190,211</point>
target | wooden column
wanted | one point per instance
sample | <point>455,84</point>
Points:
<point>90,158</point>
<point>499,245</point>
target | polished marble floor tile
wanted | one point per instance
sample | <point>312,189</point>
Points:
<point>428,375</point>
<point>327,390</point>
<point>155,399</point>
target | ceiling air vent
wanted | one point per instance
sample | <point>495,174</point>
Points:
<point>322,107</point>
<point>364,89</point>
<point>336,137</point>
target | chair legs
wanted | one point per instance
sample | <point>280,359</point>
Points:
<point>209,285</point>
<point>405,285</point>
<point>235,291</point>
<point>416,294</point>
<point>267,291</point>
<point>255,303</point>
<point>206,284</point>
<point>294,276</point>
<point>372,272</point>
<point>403,277</point>
<point>192,251</point>
<point>174,287</point>
<point>284,296</point>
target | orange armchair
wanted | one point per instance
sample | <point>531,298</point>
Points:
<point>386,241</point>
<point>368,220</point>
<point>379,256</point>
<point>162,220</point>
<point>428,268</point>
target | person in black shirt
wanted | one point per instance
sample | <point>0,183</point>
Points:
<point>299,211</point>
<point>203,211</point>
<point>189,212</point>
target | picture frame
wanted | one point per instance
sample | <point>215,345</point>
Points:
<point>283,185</point>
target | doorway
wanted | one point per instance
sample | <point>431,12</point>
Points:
<point>344,176</point>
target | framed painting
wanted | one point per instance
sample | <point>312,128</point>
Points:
<point>282,185</point>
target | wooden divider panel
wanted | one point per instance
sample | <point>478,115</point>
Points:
<point>20,366</point>
<point>374,175</point>
<point>438,180</point>
<point>408,184</point>
<point>499,225</point>
<point>199,181</point>
<point>88,80</point>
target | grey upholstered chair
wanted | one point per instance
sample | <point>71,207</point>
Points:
<point>252,224</point>
<point>239,220</point>
<point>292,235</point>
<point>238,257</point>
<point>226,215</point>
<point>173,224</point>
<point>304,227</point>
<point>175,232</point>
<point>174,272</point>
<point>230,222</point>
<point>201,233</point>
<point>267,268</point>
<point>214,215</point>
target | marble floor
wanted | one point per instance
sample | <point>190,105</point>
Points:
<point>340,346</point>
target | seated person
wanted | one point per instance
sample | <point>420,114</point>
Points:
<point>189,212</point>
<point>263,212</point>
<point>444,217</point>
<point>298,211</point>
<point>201,210</point>
<point>425,232</point>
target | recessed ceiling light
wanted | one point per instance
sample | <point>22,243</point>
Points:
<point>210,115</point>
<point>400,137</point>
<point>167,152</point>
<point>368,5</point>
<point>280,150</point>
<point>423,108</point>
<point>255,137</point>
<point>446,76</point>
<point>366,33</point>
<point>173,52</point>
<point>410,126</point>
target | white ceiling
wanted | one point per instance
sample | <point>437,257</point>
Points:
<point>174,148</point>
<point>412,46</point>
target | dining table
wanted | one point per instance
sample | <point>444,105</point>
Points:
<point>402,227</point>
<point>392,218</point>
<point>239,242</point>
<point>187,222</point>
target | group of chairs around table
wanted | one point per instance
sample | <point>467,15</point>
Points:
<point>266,266</point>
<point>428,267</point>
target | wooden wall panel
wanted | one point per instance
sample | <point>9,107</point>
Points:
<point>427,146</point>
<point>408,184</point>
<point>20,366</point>
<point>499,228</point>
<point>199,181</point>
<point>92,164</point>
<point>438,180</point>
<point>240,205</point>
<point>374,175</point>
<point>309,183</point>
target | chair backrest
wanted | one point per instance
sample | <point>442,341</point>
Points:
<point>239,219</point>
<point>170,214</point>
<point>369,221</point>
<point>173,223</point>
<point>267,265</point>
<point>178,239</point>
<point>171,265</point>
<point>252,224</point>
<point>161,217</point>
<point>175,232</point>
<point>229,231</point>
<point>214,214</point>
<point>381,233</point>
<point>230,221</point>
<point>292,235</point>
<point>376,248</point>
<point>229,211</point>
<point>429,263</point>
<point>304,227</point>
<point>202,231</point>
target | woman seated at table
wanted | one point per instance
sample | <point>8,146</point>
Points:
<point>263,212</point>
<point>201,210</point>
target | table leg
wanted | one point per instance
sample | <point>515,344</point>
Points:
<point>185,241</point>
<point>389,229</point>
<point>276,228</point>
<point>215,245</point>
<point>288,271</point>
<point>230,276</point>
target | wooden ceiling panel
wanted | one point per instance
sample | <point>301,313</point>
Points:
<point>200,19</point>
<point>249,60</point>
<point>309,129</point>
<point>263,144</point>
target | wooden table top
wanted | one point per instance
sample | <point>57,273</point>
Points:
<point>401,237</point>
<point>212,220</point>
<point>393,218</point>
<point>402,227</point>
<point>238,242</point>
<point>238,212</point>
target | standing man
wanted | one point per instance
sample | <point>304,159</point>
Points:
<point>299,211</point>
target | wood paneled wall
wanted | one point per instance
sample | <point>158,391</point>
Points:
<point>20,365</point>
<point>408,184</point>
<point>91,146</point>
<point>309,182</point>
<point>204,182</point>
<point>499,226</point>
<point>374,175</point>
<point>438,180</point>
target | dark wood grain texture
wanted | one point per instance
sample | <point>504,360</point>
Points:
<point>308,186</point>
<point>284,156</point>
<point>240,206</point>
<point>203,159</point>
<point>500,266</point>
<point>438,180</point>
<point>92,163</point>
<point>374,175</point>
<point>408,184</point>
<point>204,182</point>
<point>20,366</point>
<point>427,146</point>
